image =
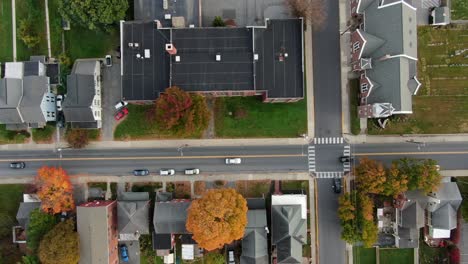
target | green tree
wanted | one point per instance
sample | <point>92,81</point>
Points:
<point>60,245</point>
<point>218,22</point>
<point>26,33</point>
<point>350,233</point>
<point>39,224</point>
<point>421,173</point>
<point>30,259</point>
<point>396,182</point>
<point>346,209</point>
<point>93,14</point>
<point>369,233</point>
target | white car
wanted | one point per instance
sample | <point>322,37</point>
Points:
<point>108,60</point>
<point>58,101</point>
<point>233,161</point>
<point>166,172</point>
<point>192,171</point>
<point>121,104</point>
<point>231,257</point>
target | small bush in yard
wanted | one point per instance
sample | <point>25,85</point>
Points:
<point>240,113</point>
<point>454,254</point>
<point>77,138</point>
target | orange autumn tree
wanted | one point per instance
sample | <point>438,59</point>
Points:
<point>370,176</point>
<point>54,189</point>
<point>218,218</point>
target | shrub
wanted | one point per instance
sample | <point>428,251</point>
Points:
<point>218,22</point>
<point>454,254</point>
<point>27,34</point>
<point>77,138</point>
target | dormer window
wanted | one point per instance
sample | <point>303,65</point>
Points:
<point>364,87</point>
<point>356,46</point>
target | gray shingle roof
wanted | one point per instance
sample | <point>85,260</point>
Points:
<point>133,196</point>
<point>170,217</point>
<point>34,89</point>
<point>412,216</point>
<point>132,217</point>
<point>448,192</point>
<point>372,44</point>
<point>254,243</point>
<point>10,95</point>
<point>408,238</point>
<point>445,217</point>
<point>24,211</point>
<point>289,232</point>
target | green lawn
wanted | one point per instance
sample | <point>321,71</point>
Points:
<point>35,10</point>
<point>136,126</point>
<point>6,37</point>
<point>459,9</point>
<point>353,104</point>
<point>250,117</point>
<point>396,255</point>
<point>364,255</point>
<point>429,255</point>
<point>294,185</point>
<point>441,105</point>
<point>84,43</point>
<point>462,183</point>
<point>10,197</point>
<point>55,24</point>
<point>12,137</point>
<point>43,135</point>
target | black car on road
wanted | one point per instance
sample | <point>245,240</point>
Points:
<point>141,172</point>
<point>17,165</point>
<point>336,185</point>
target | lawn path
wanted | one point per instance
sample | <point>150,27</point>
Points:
<point>49,50</point>
<point>13,25</point>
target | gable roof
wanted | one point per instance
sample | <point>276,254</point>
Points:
<point>254,243</point>
<point>170,217</point>
<point>448,192</point>
<point>133,196</point>
<point>412,216</point>
<point>24,211</point>
<point>34,88</point>
<point>11,92</point>
<point>132,217</point>
<point>445,217</point>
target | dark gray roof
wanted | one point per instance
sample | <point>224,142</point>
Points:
<point>133,196</point>
<point>31,68</point>
<point>445,217</point>
<point>289,232</point>
<point>254,243</point>
<point>396,25</point>
<point>10,95</point>
<point>198,70</point>
<point>372,43</point>
<point>170,217</point>
<point>132,217</point>
<point>149,10</point>
<point>408,238</point>
<point>448,192</point>
<point>80,94</point>
<point>24,211</point>
<point>412,216</point>
<point>162,241</point>
<point>34,88</point>
<point>163,196</point>
<point>255,203</point>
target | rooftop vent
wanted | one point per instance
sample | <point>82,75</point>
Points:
<point>218,57</point>
<point>177,58</point>
<point>171,49</point>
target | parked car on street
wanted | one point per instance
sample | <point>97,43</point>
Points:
<point>192,171</point>
<point>344,159</point>
<point>231,257</point>
<point>233,161</point>
<point>17,165</point>
<point>60,120</point>
<point>336,185</point>
<point>120,104</point>
<point>141,172</point>
<point>108,60</point>
<point>58,102</point>
<point>124,253</point>
<point>121,114</point>
<point>166,172</point>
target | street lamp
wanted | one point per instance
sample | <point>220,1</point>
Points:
<point>181,148</point>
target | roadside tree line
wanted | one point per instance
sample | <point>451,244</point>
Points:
<point>373,179</point>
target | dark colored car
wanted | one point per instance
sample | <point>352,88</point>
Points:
<point>17,165</point>
<point>124,253</point>
<point>60,120</point>
<point>141,172</point>
<point>344,159</point>
<point>121,113</point>
<point>336,185</point>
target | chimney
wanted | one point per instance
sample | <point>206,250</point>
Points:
<point>170,48</point>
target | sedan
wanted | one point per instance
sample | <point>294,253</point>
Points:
<point>141,172</point>
<point>167,172</point>
<point>58,101</point>
<point>124,253</point>
<point>233,161</point>
<point>120,104</point>
<point>192,171</point>
<point>121,114</point>
<point>17,165</point>
<point>336,185</point>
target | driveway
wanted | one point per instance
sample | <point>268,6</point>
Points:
<point>111,94</point>
<point>133,252</point>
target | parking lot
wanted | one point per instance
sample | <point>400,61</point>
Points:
<point>111,94</point>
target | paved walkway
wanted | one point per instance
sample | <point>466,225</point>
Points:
<point>49,50</point>
<point>309,75</point>
<point>13,25</point>
<point>404,138</point>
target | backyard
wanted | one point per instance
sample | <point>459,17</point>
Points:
<point>34,13</point>
<point>459,9</point>
<point>441,105</point>
<point>364,255</point>
<point>6,43</point>
<point>250,117</point>
<point>12,137</point>
<point>10,197</point>
<point>396,255</point>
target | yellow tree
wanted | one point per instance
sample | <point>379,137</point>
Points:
<point>370,176</point>
<point>54,189</point>
<point>396,183</point>
<point>367,207</point>
<point>60,245</point>
<point>346,209</point>
<point>218,218</point>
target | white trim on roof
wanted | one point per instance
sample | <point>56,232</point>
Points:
<point>387,5</point>
<point>291,199</point>
<point>403,55</point>
<point>419,85</point>
<point>363,44</point>
<point>121,49</point>
<point>408,5</point>
<point>402,112</point>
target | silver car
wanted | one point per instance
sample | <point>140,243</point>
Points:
<point>233,161</point>
<point>192,171</point>
<point>167,172</point>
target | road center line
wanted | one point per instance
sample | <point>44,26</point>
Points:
<point>156,158</point>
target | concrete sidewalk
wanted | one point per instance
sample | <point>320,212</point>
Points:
<point>360,139</point>
<point>166,143</point>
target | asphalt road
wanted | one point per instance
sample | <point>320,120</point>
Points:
<point>327,72</point>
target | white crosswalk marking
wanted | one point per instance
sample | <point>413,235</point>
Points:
<point>311,157</point>
<point>329,174</point>
<point>328,140</point>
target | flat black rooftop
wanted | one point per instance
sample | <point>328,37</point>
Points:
<point>249,59</point>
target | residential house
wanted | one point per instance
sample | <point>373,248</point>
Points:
<point>255,240</point>
<point>168,220</point>
<point>289,227</point>
<point>26,100</point>
<point>132,215</point>
<point>384,54</point>
<point>190,248</point>
<point>82,105</point>
<point>437,211</point>
<point>97,228</point>
<point>262,60</point>
<point>30,203</point>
